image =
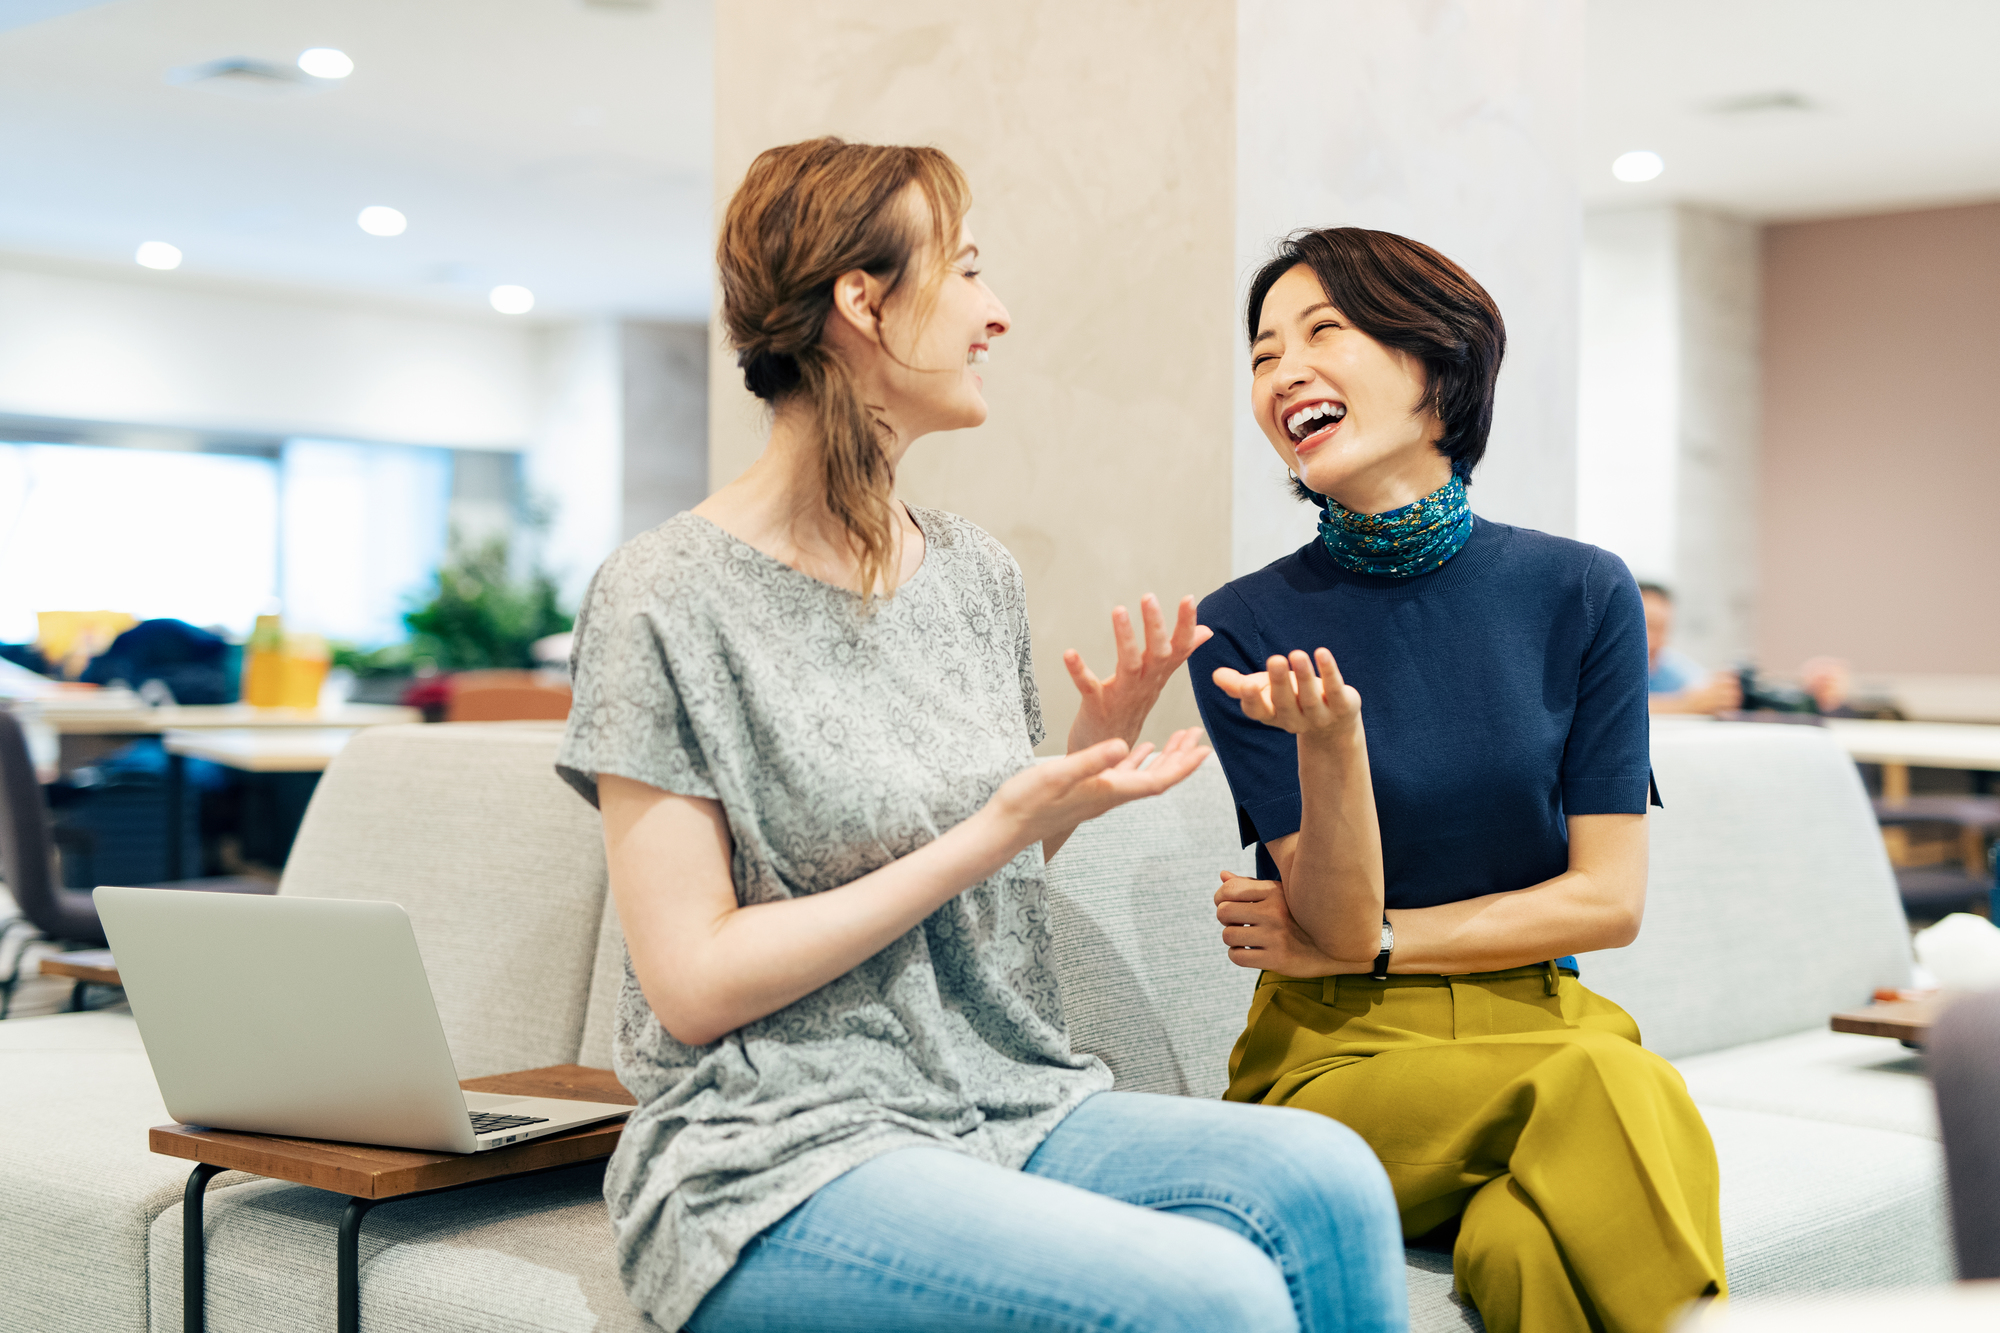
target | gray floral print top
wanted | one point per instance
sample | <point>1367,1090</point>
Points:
<point>835,741</point>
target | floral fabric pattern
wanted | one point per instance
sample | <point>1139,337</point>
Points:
<point>836,740</point>
<point>1401,543</point>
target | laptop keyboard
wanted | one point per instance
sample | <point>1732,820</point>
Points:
<point>492,1122</point>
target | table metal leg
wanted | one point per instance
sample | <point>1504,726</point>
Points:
<point>194,1251</point>
<point>348,1294</point>
<point>176,813</point>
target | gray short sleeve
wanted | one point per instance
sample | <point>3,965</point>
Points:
<point>626,713</point>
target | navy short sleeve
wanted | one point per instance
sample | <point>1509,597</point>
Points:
<point>1606,766</point>
<point>1501,693</point>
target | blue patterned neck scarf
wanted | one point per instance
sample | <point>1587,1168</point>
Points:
<point>1402,543</point>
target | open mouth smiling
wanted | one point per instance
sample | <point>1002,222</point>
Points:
<point>1309,424</point>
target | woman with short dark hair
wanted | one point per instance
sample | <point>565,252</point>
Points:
<point>1435,729</point>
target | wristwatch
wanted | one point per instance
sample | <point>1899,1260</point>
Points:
<point>1381,972</point>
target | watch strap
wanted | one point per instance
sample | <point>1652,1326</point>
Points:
<point>1381,969</point>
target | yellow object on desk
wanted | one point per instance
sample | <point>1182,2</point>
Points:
<point>263,664</point>
<point>302,671</point>
<point>69,639</point>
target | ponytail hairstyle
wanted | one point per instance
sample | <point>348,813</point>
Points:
<point>805,214</point>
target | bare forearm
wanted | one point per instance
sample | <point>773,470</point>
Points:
<point>1572,913</point>
<point>1333,878</point>
<point>749,962</point>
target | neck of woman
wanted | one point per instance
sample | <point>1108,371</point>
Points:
<point>778,505</point>
<point>1403,482</point>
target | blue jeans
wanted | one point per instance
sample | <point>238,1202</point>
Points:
<point>1140,1212</point>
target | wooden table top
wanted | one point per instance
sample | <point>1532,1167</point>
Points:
<point>276,750</point>
<point>79,718</point>
<point>95,965</point>
<point>368,1172</point>
<point>1905,1020</point>
<point>1921,744</point>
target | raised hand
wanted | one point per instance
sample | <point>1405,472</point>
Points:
<point>1117,707</point>
<point>1288,695</point>
<point>1258,928</point>
<point>1046,800</point>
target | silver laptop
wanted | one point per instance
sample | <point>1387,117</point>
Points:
<point>311,1017</point>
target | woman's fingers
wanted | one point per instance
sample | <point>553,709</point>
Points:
<point>1094,760</point>
<point>1087,683</point>
<point>1237,889</point>
<point>1284,691</point>
<point>1158,644</point>
<point>1252,692</point>
<point>1312,689</point>
<point>1188,633</point>
<point>1131,656</point>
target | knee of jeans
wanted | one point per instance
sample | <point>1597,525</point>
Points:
<point>1227,1284</point>
<point>1305,1155</point>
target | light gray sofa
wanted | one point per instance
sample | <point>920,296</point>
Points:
<point>1771,905</point>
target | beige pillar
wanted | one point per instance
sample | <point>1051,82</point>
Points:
<point>1099,139</point>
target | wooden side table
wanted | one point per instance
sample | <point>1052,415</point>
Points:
<point>1908,1021</point>
<point>371,1175</point>
<point>86,967</point>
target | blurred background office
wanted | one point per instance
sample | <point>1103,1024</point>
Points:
<point>349,338</point>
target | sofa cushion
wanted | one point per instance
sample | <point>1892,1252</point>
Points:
<point>533,1253</point>
<point>1808,1205</point>
<point>81,1188</point>
<point>500,867</point>
<point>1146,982</point>
<point>1770,902</point>
<point>1831,1076</point>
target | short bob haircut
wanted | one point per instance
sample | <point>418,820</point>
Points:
<point>1405,295</point>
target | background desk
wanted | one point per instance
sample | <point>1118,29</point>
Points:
<point>76,718</point>
<point>1899,746</point>
<point>280,750</point>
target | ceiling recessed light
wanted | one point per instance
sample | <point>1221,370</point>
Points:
<point>1639,166</point>
<point>378,220</point>
<point>511,300</point>
<point>323,62</point>
<point>158,254</point>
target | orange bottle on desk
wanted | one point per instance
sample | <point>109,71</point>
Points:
<point>263,664</point>
<point>303,670</point>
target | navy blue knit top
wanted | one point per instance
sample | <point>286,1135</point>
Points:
<point>1500,693</point>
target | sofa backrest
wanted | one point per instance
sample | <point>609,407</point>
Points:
<point>1770,903</point>
<point>1146,982</point>
<point>499,865</point>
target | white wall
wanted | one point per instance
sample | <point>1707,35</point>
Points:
<point>1667,463</point>
<point>1455,123</point>
<point>167,350</point>
<point>577,458</point>
<point>1628,393</point>
<point>89,345</point>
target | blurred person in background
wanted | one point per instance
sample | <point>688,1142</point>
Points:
<point>1678,684</point>
<point>1675,682</point>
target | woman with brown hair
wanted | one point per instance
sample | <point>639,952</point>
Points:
<point>806,712</point>
<point>1448,798</point>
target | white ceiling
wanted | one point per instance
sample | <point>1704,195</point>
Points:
<point>1903,94</point>
<point>556,144</point>
<point>564,145</point>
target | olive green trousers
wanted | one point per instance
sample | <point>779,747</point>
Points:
<point>1582,1174</point>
